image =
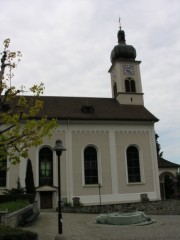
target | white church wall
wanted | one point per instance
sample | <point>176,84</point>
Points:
<point>111,141</point>
<point>114,178</point>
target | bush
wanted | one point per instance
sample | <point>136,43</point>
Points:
<point>7,233</point>
<point>175,196</point>
<point>14,197</point>
<point>17,190</point>
<point>29,180</point>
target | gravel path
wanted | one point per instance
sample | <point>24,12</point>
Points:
<point>83,227</point>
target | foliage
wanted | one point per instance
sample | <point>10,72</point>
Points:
<point>15,197</point>
<point>18,190</point>
<point>169,186</point>
<point>13,206</point>
<point>178,181</point>
<point>67,204</point>
<point>29,180</point>
<point>158,147</point>
<point>8,233</point>
<point>19,127</point>
<point>175,196</point>
<point>178,176</point>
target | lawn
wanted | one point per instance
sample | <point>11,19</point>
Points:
<point>14,205</point>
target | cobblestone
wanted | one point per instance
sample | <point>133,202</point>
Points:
<point>84,227</point>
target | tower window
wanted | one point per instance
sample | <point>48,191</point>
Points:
<point>133,165</point>
<point>90,166</point>
<point>130,85</point>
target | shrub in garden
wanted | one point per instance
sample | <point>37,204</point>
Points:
<point>29,180</point>
<point>8,233</point>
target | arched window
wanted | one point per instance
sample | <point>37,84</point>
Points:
<point>90,166</point>
<point>3,172</point>
<point>127,85</point>
<point>45,166</point>
<point>130,85</point>
<point>133,165</point>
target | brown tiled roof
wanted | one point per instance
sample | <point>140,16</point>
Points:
<point>86,108</point>
<point>163,163</point>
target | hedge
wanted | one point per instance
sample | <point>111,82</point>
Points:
<point>8,233</point>
<point>14,197</point>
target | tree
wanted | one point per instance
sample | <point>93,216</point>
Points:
<point>19,127</point>
<point>178,181</point>
<point>169,186</point>
<point>29,180</point>
<point>158,147</point>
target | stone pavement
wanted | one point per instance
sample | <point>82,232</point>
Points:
<point>83,227</point>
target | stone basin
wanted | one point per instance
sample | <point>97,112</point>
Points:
<point>123,218</point>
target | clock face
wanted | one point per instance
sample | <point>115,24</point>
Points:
<point>128,69</point>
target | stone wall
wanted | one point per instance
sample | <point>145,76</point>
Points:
<point>168,207</point>
<point>14,219</point>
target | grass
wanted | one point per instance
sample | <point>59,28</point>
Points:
<point>14,205</point>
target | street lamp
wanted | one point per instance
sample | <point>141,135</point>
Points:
<point>58,149</point>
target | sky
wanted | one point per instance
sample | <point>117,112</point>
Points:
<point>66,44</point>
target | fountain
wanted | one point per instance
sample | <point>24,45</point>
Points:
<point>124,218</point>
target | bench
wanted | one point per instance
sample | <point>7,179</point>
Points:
<point>28,216</point>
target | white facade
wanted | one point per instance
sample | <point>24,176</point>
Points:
<point>111,141</point>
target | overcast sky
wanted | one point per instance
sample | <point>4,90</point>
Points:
<point>66,44</point>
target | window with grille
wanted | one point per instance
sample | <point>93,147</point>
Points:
<point>90,166</point>
<point>130,85</point>
<point>45,166</point>
<point>133,164</point>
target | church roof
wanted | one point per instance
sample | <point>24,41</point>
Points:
<point>89,108</point>
<point>163,163</point>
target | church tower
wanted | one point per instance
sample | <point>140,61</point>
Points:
<point>125,73</point>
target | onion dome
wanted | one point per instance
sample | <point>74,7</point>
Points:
<point>122,50</point>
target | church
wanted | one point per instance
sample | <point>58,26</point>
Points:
<point>110,143</point>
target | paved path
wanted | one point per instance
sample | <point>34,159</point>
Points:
<point>83,227</point>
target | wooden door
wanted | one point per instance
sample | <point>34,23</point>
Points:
<point>46,200</point>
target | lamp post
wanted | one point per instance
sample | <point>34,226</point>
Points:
<point>58,149</point>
